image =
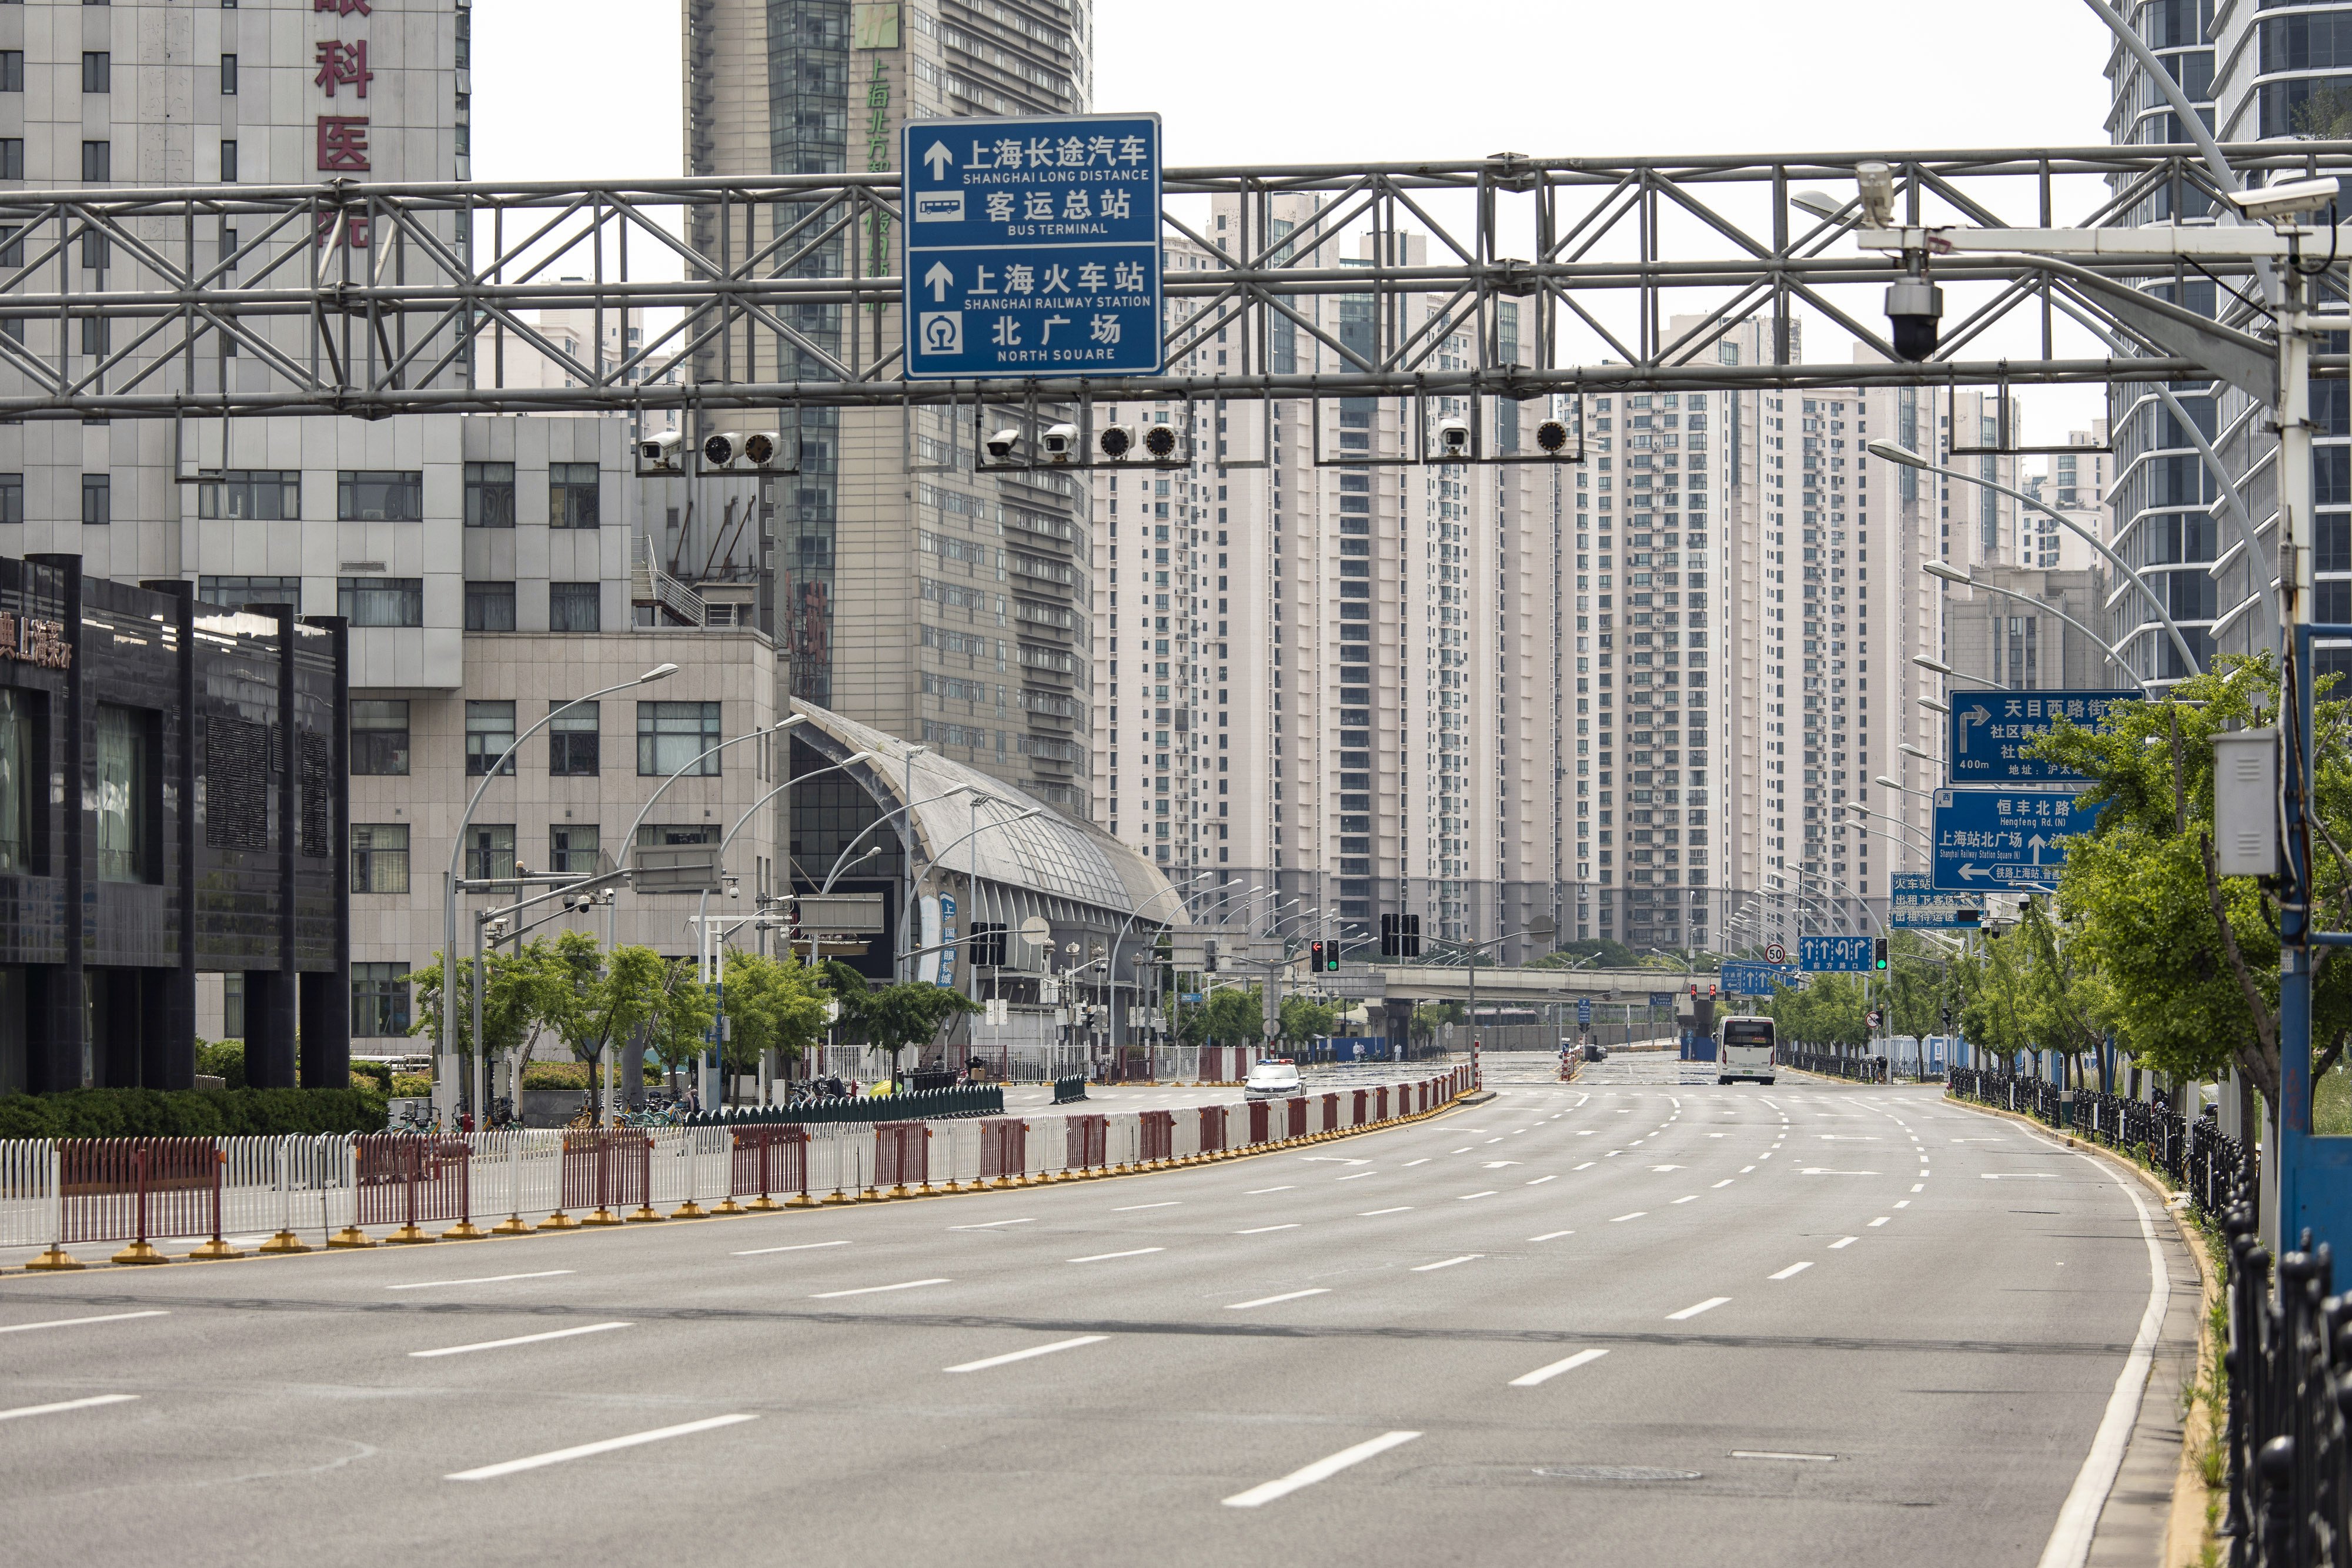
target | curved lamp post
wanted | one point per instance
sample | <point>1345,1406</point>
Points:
<point>1950,573</point>
<point>457,856</point>
<point>914,887</point>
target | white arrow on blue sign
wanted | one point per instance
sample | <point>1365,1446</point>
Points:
<point>1743,979</point>
<point>1031,246</point>
<point>1583,1012</point>
<point>1992,840</point>
<point>1990,731</point>
<point>1819,954</point>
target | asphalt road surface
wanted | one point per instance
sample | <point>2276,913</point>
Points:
<point>1815,1324</point>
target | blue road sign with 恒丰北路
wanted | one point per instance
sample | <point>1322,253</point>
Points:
<point>1991,730</point>
<point>1031,246</point>
<point>1914,903</point>
<point>1817,954</point>
<point>1745,980</point>
<point>1992,840</point>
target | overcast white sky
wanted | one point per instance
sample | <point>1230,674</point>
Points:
<point>588,89</point>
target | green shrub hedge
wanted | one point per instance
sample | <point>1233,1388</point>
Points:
<point>189,1113</point>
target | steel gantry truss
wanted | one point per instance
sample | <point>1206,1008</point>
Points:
<point>375,300</point>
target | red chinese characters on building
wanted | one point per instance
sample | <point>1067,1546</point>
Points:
<point>341,8</point>
<point>343,143</point>
<point>342,64</point>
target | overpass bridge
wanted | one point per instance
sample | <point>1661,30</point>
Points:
<point>1451,983</point>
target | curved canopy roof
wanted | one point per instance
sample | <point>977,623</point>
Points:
<point>1048,852</point>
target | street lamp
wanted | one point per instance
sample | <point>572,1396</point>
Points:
<point>1949,573</point>
<point>907,914</point>
<point>1910,459</point>
<point>456,856</point>
<point>1884,781</point>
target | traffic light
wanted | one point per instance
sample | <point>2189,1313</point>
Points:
<point>1318,958</point>
<point>1389,943</point>
<point>1209,956</point>
<point>1410,931</point>
<point>1948,1017</point>
<point>1879,951</point>
<point>1331,957</point>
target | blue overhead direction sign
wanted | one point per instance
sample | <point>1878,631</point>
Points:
<point>1990,731</point>
<point>1914,903</point>
<point>1819,954</point>
<point>2000,839</point>
<point>1746,979</point>
<point>1031,246</point>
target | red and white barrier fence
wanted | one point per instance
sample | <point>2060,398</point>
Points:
<point>215,1196</point>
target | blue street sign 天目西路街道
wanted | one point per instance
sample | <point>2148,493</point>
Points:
<point>1990,731</point>
<point>1816,954</point>
<point>1993,840</point>
<point>1031,246</point>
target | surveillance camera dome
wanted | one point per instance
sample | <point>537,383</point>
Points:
<point>723,448</point>
<point>1551,435</point>
<point>1160,441</point>
<point>762,447</point>
<point>1000,444</point>
<point>1915,308</point>
<point>1116,440</point>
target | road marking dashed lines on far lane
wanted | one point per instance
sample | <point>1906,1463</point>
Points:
<point>1320,1470</point>
<point>1792,1270</point>
<point>511,1467</point>
<point>1469,1195</point>
<point>1370,1213</point>
<point>1540,1180</point>
<point>1262,1230</point>
<point>1623,1217</point>
<point>1275,1301</point>
<point>1843,1241</point>
<point>519,1339</point>
<point>63,1405</point>
<point>1106,1257</point>
<point>500,1279</point>
<point>1882,1219</point>
<point>877,1290</point>
<point>1031,1354</point>
<point>76,1322</point>
<point>1707,1305</point>
<point>1542,1375</point>
<point>795,1247</point>
<point>1131,1207</point>
<point>1551,1236</point>
<point>1448,1263</point>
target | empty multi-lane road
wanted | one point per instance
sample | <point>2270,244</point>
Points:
<point>1611,1324</point>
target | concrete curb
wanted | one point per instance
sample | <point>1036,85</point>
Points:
<point>2185,1525</point>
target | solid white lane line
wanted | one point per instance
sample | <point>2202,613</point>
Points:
<point>491,1472</point>
<point>1551,1236</point>
<point>479,1280</point>
<point>71,1323</point>
<point>1843,1241</point>
<point>95,1399</point>
<point>1105,1256</point>
<point>1793,1269</point>
<point>1707,1305</point>
<point>1271,1300</point>
<point>798,1246</point>
<point>1369,1213</point>
<point>2070,1541</point>
<point>1469,1195</point>
<point>1034,1349</point>
<point>1320,1470</point>
<point>1623,1217</point>
<point>1465,1258</point>
<point>519,1339</point>
<point>1262,1230</point>
<point>1540,1180</point>
<point>1130,1208</point>
<point>1568,1364</point>
<point>1262,1191</point>
<point>876,1290</point>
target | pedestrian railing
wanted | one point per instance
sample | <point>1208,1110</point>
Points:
<point>214,1196</point>
<point>2290,1365</point>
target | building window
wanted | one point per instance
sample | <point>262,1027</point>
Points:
<point>380,495</point>
<point>228,163</point>
<point>575,607</point>
<point>671,736</point>
<point>379,999</point>
<point>97,72</point>
<point>12,497</point>
<point>12,157</point>
<point>16,789</point>
<point>489,496</point>
<point>572,743</point>
<point>97,500</point>
<point>96,163</point>
<point>379,857</point>
<point>130,806</point>
<point>235,593</point>
<point>379,737</point>
<point>381,601</point>
<point>260,495</point>
<point>12,71</point>
<point>231,1006</point>
<point>572,850</point>
<point>489,735</point>
<point>571,495</point>
<point>490,607</point>
<point>490,853</point>
<point>228,75</point>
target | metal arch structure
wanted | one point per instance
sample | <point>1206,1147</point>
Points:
<point>379,300</point>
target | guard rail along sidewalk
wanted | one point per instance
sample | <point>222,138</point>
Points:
<point>218,1197</point>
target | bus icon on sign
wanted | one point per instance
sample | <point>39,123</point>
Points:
<point>941,332</point>
<point>938,207</point>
